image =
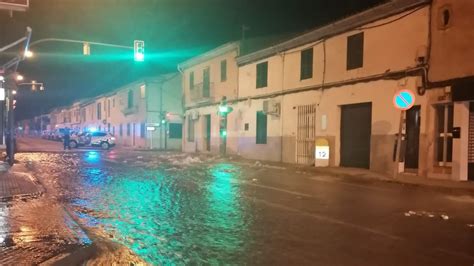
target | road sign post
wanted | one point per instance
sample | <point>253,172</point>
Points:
<point>402,100</point>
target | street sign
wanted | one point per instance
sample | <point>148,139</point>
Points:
<point>16,5</point>
<point>150,128</point>
<point>404,99</point>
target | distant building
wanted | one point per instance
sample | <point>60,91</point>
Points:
<point>144,114</point>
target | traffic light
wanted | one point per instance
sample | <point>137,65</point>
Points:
<point>224,109</point>
<point>139,50</point>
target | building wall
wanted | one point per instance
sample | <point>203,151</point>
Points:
<point>168,87</point>
<point>451,46</point>
<point>389,48</point>
<point>226,88</point>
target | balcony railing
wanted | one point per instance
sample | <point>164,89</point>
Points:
<point>131,110</point>
<point>202,92</point>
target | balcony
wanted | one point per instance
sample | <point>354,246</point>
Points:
<point>201,93</point>
<point>131,110</point>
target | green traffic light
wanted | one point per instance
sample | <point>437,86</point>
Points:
<point>163,121</point>
<point>223,109</point>
<point>224,133</point>
<point>139,57</point>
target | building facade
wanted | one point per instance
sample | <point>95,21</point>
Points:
<point>207,80</point>
<point>337,83</point>
<point>145,114</point>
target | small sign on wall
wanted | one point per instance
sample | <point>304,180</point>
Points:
<point>321,153</point>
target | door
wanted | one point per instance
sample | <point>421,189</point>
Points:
<point>356,123</point>
<point>306,134</point>
<point>470,157</point>
<point>206,83</point>
<point>133,134</point>
<point>207,135</point>
<point>412,137</point>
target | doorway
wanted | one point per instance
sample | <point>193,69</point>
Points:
<point>207,135</point>
<point>356,130</point>
<point>306,134</point>
<point>412,138</point>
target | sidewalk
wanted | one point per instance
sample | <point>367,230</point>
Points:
<point>405,179</point>
<point>16,183</point>
<point>365,175</point>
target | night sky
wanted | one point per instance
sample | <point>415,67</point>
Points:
<point>173,31</point>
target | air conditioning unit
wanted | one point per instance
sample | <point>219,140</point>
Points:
<point>271,107</point>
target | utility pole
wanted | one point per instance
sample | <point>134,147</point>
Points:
<point>10,86</point>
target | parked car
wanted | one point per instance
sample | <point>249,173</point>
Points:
<point>95,139</point>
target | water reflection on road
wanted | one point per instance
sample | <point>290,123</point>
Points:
<point>165,216</point>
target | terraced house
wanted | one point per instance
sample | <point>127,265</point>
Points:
<point>337,82</point>
<point>143,114</point>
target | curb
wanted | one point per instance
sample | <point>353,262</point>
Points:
<point>76,257</point>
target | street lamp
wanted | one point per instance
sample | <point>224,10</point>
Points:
<point>28,54</point>
<point>19,77</point>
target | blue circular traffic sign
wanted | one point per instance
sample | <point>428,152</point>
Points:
<point>404,99</point>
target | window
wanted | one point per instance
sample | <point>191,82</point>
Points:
<point>261,128</point>
<point>130,99</point>
<point>128,129</point>
<point>262,74</point>
<point>113,102</point>
<point>306,70</point>
<point>191,80</point>
<point>444,17</point>
<point>143,91</point>
<point>206,82</point>
<point>108,106</point>
<point>176,130</point>
<point>113,130</point>
<point>121,130</point>
<point>142,130</point>
<point>108,127</point>
<point>355,51</point>
<point>444,147</point>
<point>223,70</point>
<point>246,127</point>
<point>99,111</point>
<point>190,130</point>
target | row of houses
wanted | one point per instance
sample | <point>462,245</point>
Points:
<point>335,82</point>
<point>144,114</point>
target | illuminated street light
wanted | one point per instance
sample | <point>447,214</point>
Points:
<point>2,78</point>
<point>29,54</point>
<point>19,77</point>
<point>14,92</point>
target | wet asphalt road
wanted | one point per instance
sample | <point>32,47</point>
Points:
<point>182,209</point>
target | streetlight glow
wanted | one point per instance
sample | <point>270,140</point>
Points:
<point>19,77</point>
<point>14,92</point>
<point>28,54</point>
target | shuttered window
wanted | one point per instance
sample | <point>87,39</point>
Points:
<point>191,80</point>
<point>142,130</point>
<point>444,147</point>
<point>306,70</point>
<point>355,51</point>
<point>261,128</point>
<point>262,75</point>
<point>223,70</point>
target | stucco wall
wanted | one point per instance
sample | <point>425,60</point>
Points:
<point>226,88</point>
<point>392,47</point>
<point>452,47</point>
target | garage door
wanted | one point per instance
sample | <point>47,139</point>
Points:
<point>356,121</point>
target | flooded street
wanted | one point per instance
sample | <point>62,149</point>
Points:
<point>174,209</point>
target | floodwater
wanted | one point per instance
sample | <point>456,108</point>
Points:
<point>175,209</point>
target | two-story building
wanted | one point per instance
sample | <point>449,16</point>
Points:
<point>207,80</point>
<point>144,114</point>
<point>451,70</point>
<point>337,82</point>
